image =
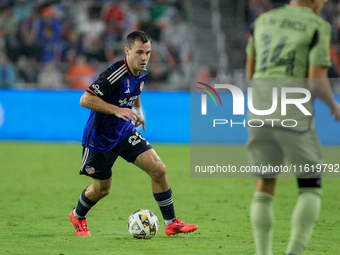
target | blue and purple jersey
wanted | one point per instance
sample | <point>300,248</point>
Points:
<point>117,86</point>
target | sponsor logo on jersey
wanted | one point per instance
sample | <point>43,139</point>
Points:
<point>90,169</point>
<point>96,89</point>
<point>126,102</point>
<point>122,102</point>
<point>127,91</point>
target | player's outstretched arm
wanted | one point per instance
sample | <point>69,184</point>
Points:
<point>320,87</point>
<point>97,104</point>
<point>137,106</point>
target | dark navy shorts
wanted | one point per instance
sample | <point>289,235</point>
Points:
<point>98,166</point>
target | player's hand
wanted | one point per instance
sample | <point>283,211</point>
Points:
<point>126,114</point>
<point>140,122</point>
<point>336,111</point>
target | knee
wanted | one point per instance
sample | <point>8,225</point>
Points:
<point>158,170</point>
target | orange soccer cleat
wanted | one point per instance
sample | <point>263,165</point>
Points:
<point>80,225</point>
<point>179,226</point>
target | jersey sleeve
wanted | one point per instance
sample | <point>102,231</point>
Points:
<point>319,54</point>
<point>102,88</point>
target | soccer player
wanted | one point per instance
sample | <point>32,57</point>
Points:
<point>110,132</point>
<point>286,44</point>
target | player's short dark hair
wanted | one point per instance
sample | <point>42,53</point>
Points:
<point>137,36</point>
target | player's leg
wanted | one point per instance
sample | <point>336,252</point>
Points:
<point>305,214</point>
<point>262,214</point>
<point>263,150</point>
<point>265,185</point>
<point>97,166</point>
<point>306,150</point>
<point>88,198</point>
<point>91,195</point>
<point>137,150</point>
<point>150,162</point>
<point>98,189</point>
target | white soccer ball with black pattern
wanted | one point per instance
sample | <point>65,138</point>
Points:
<point>143,224</point>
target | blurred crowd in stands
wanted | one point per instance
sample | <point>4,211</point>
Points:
<point>62,44</point>
<point>56,44</point>
<point>331,13</point>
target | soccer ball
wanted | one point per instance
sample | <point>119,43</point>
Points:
<point>143,224</point>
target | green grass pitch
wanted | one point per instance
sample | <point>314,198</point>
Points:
<point>40,185</point>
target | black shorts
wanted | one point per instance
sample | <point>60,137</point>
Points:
<point>98,166</point>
